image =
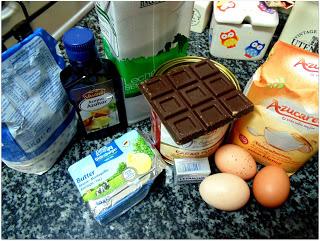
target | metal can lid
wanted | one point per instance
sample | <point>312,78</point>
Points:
<point>171,64</point>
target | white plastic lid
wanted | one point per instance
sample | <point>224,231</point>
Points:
<point>257,13</point>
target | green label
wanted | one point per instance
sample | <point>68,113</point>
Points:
<point>136,70</point>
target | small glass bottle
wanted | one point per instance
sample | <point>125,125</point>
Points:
<point>93,85</point>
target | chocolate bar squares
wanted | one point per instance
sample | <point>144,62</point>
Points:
<point>194,100</point>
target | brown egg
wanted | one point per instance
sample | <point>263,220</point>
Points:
<point>271,186</point>
<point>235,160</point>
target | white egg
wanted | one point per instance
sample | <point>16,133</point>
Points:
<point>225,191</point>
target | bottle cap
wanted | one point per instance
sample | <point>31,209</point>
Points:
<point>79,44</point>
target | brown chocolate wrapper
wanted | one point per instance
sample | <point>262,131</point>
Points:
<point>193,100</point>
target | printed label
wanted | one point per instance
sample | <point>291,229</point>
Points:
<point>105,174</point>
<point>188,170</point>
<point>106,154</point>
<point>291,111</point>
<point>96,105</point>
<point>202,146</point>
<point>310,67</point>
<point>307,40</point>
<point>144,4</point>
<point>33,95</point>
<point>283,128</point>
<point>135,70</point>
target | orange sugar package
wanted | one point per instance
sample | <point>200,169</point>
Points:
<point>283,128</point>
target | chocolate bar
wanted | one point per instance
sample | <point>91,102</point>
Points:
<point>195,99</point>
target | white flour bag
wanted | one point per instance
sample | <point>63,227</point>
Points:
<point>37,120</point>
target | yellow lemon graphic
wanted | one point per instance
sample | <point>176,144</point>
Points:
<point>139,161</point>
<point>100,122</point>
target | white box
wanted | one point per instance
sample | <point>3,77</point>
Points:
<point>202,10</point>
<point>191,170</point>
<point>241,29</point>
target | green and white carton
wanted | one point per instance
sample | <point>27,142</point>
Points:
<point>139,36</point>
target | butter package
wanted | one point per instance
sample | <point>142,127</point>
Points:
<point>283,128</point>
<point>117,176</point>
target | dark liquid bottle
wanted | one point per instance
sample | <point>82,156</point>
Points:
<point>93,85</point>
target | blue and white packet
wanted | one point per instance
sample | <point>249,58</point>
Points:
<point>114,178</point>
<point>38,121</point>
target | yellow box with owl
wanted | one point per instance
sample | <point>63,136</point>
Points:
<point>241,29</point>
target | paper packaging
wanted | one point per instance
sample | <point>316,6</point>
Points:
<point>138,37</point>
<point>202,10</point>
<point>38,122</point>
<point>117,176</point>
<point>191,170</point>
<point>195,106</point>
<point>283,128</point>
<point>302,31</point>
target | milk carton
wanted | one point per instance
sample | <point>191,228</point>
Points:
<point>138,37</point>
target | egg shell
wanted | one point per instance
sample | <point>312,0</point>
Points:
<point>271,186</point>
<point>224,191</point>
<point>234,159</point>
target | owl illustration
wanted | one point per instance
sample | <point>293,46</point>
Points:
<point>225,5</point>
<point>263,7</point>
<point>254,49</point>
<point>229,39</point>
